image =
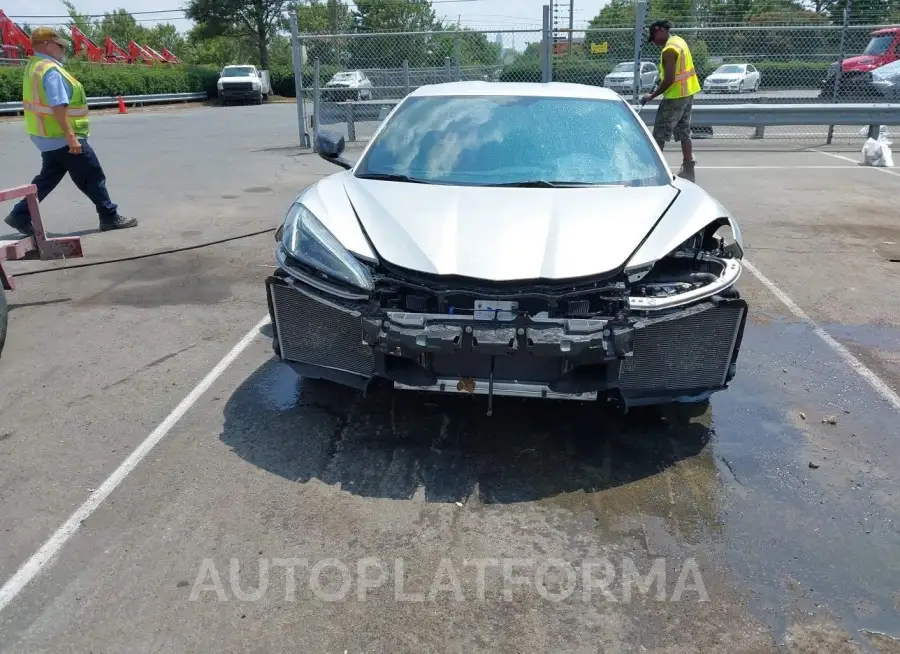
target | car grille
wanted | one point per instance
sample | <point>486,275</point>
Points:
<point>238,86</point>
<point>686,353</point>
<point>314,333</point>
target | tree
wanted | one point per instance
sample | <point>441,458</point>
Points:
<point>121,27</point>
<point>323,17</point>
<point>257,20</point>
<point>385,50</point>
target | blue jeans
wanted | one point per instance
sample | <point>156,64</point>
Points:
<point>84,169</point>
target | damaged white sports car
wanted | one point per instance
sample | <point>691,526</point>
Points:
<point>510,239</point>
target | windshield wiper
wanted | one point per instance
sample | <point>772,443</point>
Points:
<point>391,177</point>
<point>544,183</point>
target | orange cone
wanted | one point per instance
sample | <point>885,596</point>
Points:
<point>122,109</point>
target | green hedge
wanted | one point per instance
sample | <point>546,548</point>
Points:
<point>121,79</point>
<point>775,74</point>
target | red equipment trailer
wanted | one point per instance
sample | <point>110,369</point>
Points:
<point>30,248</point>
<point>14,42</point>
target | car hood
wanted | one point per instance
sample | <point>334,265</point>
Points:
<point>730,77</point>
<point>620,76</point>
<point>504,234</point>
<point>862,63</point>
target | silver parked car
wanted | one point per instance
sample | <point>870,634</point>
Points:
<point>621,78</point>
<point>736,78</point>
<point>478,247</point>
<point>348,85</point>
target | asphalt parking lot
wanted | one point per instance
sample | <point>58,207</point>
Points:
<point>157,468</point>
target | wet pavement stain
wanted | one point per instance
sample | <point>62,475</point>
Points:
<point>732,484</point>
<point>881,337</point>
<point>182,278</point>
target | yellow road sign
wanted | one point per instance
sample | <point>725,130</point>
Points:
<point>599,48</point>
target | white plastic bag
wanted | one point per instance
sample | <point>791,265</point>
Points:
<point>877,153</point>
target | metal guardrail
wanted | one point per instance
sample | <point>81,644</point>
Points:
<point>755,115</point>
<point>767,115</point>
<point>113,101</point>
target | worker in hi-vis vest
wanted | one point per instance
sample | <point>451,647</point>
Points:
<point>677,85</point>
<point>56,119</point>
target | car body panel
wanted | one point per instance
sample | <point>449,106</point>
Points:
<point>694,210</point>
<point>427,322</point>
<point>496,234</point>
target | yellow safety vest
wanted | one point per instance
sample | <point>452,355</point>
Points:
<point>39,119</point>
<point>686,82</point>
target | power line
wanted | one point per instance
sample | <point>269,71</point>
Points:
<point>132,13</point>
<point>182,10</point>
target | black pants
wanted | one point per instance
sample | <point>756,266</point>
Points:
<point>84,169</point>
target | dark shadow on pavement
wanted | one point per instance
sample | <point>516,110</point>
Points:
<point>44,303</point>
<point>392,443</point>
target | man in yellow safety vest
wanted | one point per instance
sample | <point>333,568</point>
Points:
<point>677,85</point>
<point>56,119</point>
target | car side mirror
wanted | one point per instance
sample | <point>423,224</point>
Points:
<point>330,146</point>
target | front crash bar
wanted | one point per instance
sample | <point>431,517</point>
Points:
<point>410,334</point>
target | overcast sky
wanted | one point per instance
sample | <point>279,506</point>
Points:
<point>475,14</point>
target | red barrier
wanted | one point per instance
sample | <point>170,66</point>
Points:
<point>37,246</point>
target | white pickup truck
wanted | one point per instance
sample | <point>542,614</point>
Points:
<point>243,83</point>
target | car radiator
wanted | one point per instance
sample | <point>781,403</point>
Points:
<point>317,334</point>
<point>681,354</point>
<point>685,353</point>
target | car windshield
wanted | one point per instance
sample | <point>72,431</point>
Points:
<point>729,70</point>
<point>625,67</point>
<point>237,72</point>
<point>509,140</point>
<point>879,45</point>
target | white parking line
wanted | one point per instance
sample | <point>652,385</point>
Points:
<point>49,549</point>
<point>858,366</point>
<point>886,171</point>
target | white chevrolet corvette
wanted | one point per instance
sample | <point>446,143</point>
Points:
<point>510,239</point>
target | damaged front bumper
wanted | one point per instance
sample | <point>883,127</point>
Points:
<point>668,354</point>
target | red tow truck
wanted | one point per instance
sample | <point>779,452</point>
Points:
<point>883,48</point>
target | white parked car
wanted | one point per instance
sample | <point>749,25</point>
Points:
<point>510,239</point>
<point>737,78</point>
<point>621,78</point>
<point>348,85</point>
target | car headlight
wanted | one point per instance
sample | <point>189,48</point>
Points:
<point>220,85</point>
<point>308,241</point>
<point>703,266</point>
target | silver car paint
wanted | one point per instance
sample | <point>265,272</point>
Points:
<point>505,234</point>
<point>694,210</point>
<point>478,248</point>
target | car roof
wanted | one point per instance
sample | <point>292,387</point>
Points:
<point>529,89</point>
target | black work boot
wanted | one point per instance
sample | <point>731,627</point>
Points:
<point>117,222</point>
<point>21,224</point>
<point>687,171</point>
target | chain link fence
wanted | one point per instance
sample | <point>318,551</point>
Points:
<point>358,78</point>
<point>775,58</point>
